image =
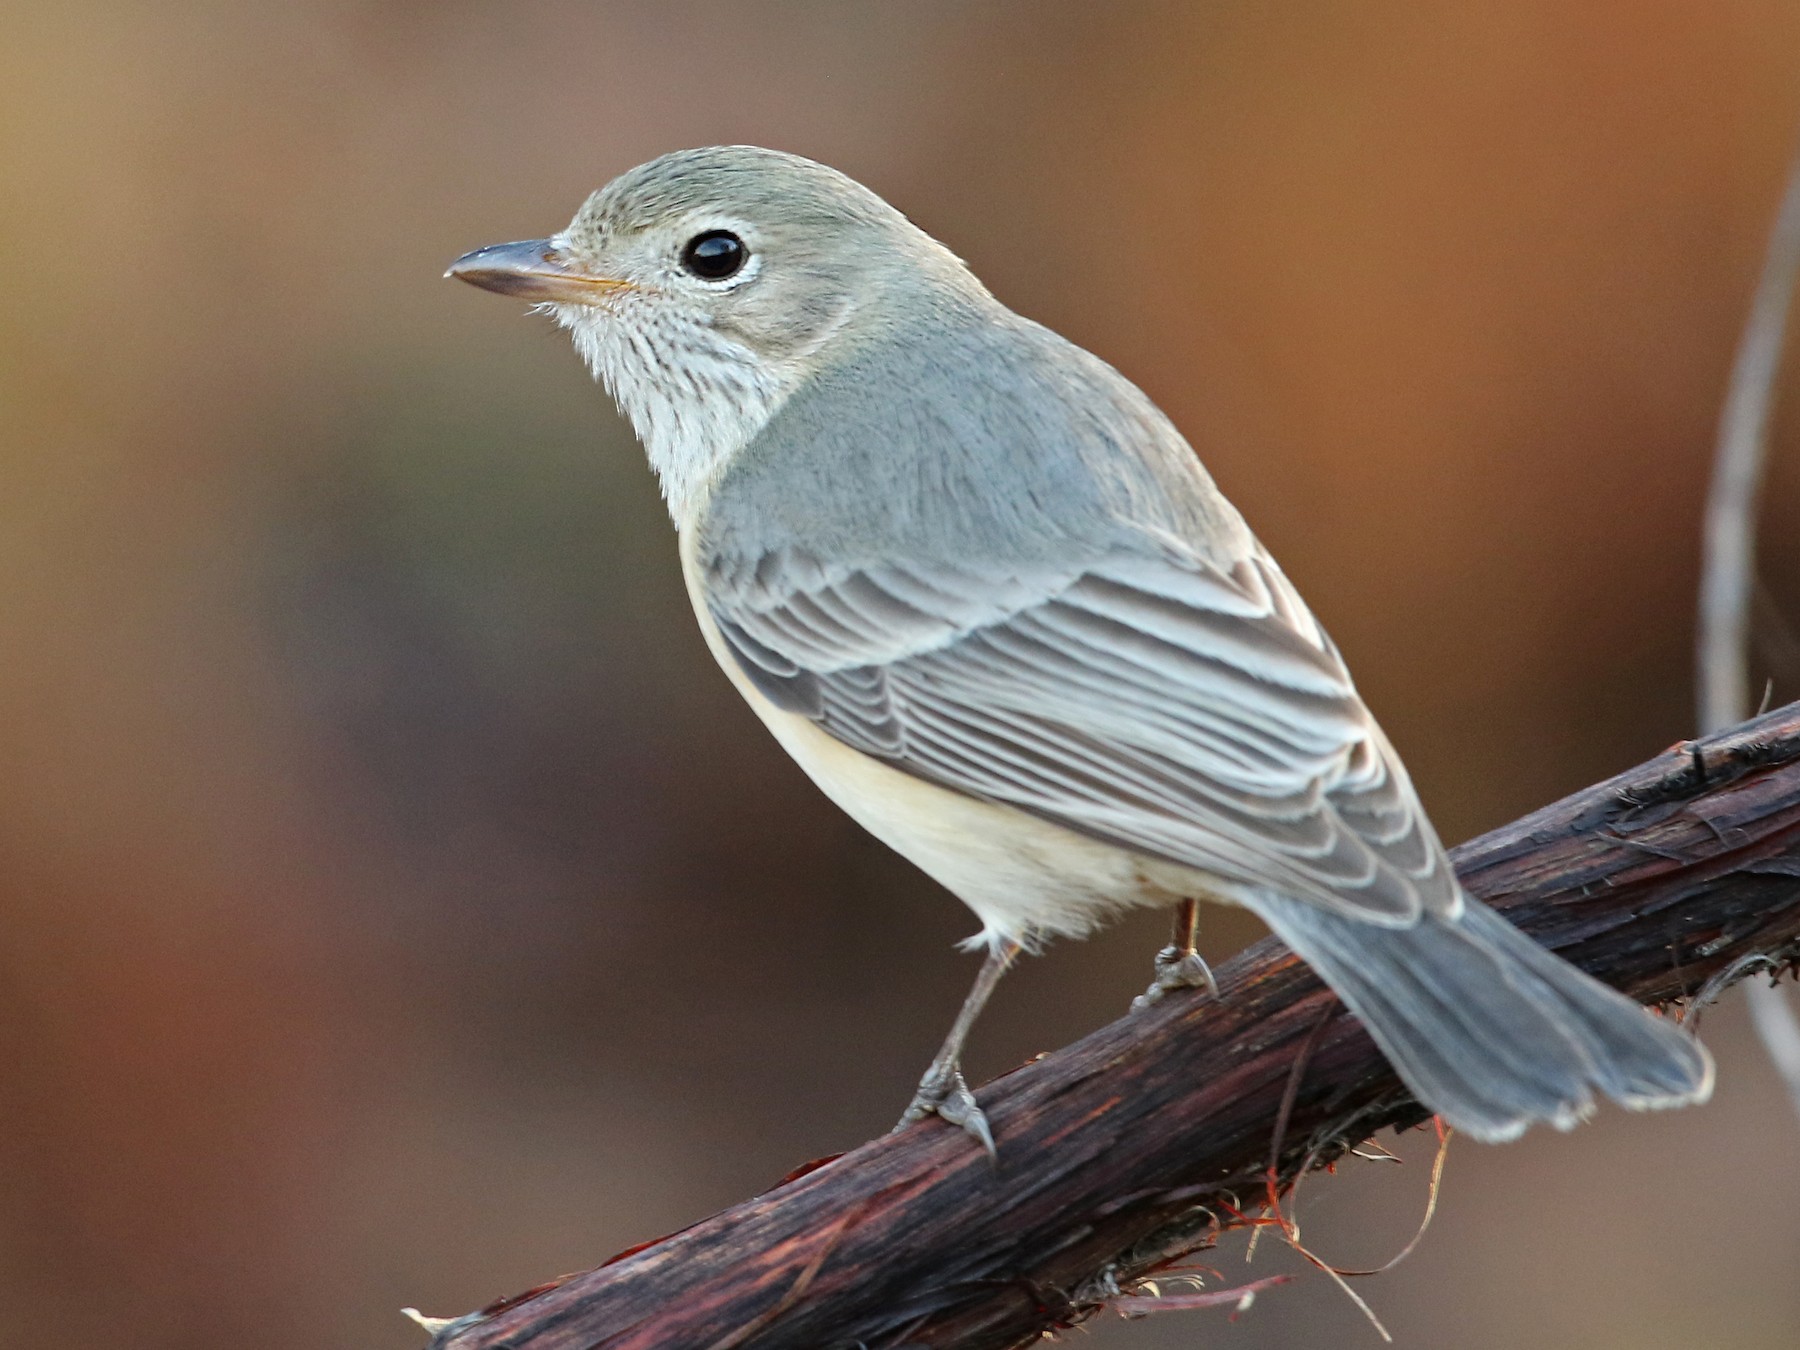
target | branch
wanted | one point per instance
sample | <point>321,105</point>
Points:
<point>1728,563</point>
<point>1140,1142</point>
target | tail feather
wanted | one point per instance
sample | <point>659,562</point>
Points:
<point>1488,1029</point>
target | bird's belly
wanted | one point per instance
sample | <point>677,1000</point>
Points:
<point>1022,875</point>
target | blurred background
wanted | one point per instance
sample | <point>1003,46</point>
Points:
<point>400,908</point>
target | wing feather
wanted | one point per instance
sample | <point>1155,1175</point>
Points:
<point>1172,706</point>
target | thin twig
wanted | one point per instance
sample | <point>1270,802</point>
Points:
<point>1431,1203</point>
<point>1779,1028</point>
<point>1240,1297</point>
<point>1710,992</point>
<point>1728,567</point>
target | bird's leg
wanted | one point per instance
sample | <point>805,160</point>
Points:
<point>1178,965</point>
<point>942,1091</point>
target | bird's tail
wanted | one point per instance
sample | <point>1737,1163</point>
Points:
<point>1488,1029</point>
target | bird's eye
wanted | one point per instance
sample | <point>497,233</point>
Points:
<point>715,255</point>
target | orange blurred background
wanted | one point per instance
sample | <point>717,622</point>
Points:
<point>400,908</point>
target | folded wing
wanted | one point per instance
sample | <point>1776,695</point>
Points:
<point>1156,701</point>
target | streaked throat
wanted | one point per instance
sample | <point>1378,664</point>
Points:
<point>694,396</point>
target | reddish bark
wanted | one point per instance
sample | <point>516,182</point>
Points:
<point>1133,1145</point>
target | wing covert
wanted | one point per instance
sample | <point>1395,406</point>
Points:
<point>1158,702</point>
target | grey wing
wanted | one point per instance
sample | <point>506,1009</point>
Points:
<point>1162,703</point>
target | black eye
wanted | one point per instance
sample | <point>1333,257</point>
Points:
<point>715,255</point>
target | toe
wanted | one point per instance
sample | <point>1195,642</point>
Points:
<point>953,1102</point>
<point>960,1108</point>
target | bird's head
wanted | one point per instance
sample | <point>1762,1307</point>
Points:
<point>704,287</point>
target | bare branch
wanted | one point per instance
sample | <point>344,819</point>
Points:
<point>1729,551</point>
<point>1728,567</point>
<point>1138,1144</point>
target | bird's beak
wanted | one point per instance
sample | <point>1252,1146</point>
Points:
<point>535,269</point>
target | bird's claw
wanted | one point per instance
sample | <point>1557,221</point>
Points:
<point>948,1097</point>
<point>1176,969</point>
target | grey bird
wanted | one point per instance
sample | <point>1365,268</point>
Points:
<point>986,595</point>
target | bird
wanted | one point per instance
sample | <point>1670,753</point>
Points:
<point>982,590</point>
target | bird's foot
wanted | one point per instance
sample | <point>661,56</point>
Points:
<point>944,1094</point>
<point>1176,968</point>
